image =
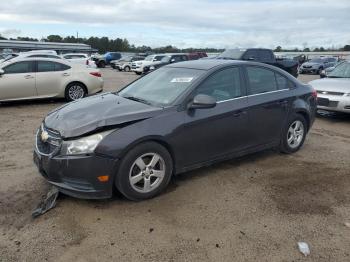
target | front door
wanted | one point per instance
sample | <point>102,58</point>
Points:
<point>213,133</point>
<point>18,81</point>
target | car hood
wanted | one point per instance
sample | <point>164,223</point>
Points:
<point>332,84</point>
<point>311,64</point>
<point>89,114</point>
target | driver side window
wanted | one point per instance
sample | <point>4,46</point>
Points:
<point>222,85</point>
<point>19,68</point>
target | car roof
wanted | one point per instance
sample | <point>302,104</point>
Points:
<point>207,64</point>
<point>19,59</point>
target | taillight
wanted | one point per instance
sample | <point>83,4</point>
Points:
<point>97,74</point>
<point>314,93</point>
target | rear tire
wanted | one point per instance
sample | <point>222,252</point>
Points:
<point>127,69</point>
<point>293,134</point>
<point>144,172</point>
<point>101,64</point>
<point>75,91</point>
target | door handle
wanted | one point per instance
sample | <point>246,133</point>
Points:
<point>66,74</point>
<point>28,76</point>
<point>239,113</point>
<point>283,102</point>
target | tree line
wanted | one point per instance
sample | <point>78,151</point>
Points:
<point>104,44</point>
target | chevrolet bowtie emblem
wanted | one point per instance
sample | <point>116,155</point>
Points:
<point>44,136</point>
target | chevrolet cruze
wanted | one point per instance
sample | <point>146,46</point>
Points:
<point>177,118</point>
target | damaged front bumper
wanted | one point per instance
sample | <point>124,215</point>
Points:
<point>77,176</point>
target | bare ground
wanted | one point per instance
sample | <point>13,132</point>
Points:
<point>255,208</point>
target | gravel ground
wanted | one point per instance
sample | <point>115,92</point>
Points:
<point>255,208</point>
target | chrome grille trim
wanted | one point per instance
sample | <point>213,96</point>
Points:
<point>52,144</point>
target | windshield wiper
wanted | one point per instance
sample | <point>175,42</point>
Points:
<point>137,99</point>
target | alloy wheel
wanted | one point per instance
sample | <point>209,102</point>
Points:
<point>76,92</point>
<point>295,134</point>
<point>147,172</point>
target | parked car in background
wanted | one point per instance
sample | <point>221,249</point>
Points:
<point>124,64</point>
<point>197,55</point>
<point>8,57</point>
<point>80,58</point>
<point>316,65</point>
<point>262,55</point>
<point>325,72</point>
<point>137,66</point>
<point>180,117</point>
<point>33,77</point>
<point>103,60</point>
<point>334,90</point>
<point>167,59</point>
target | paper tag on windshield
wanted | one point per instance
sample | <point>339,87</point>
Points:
<point>182,80</point>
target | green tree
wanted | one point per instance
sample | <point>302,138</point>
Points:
<point>54,38</point>
<point>346,48</point>
<point>278,49</point>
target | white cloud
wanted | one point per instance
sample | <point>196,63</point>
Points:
<point>218,23</point>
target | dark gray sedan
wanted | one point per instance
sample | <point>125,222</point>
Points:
<point>180,117</point>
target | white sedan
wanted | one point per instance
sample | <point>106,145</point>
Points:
<point>32,78</point>
<point>80,58</point>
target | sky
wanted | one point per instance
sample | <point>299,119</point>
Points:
<point>185,23</point>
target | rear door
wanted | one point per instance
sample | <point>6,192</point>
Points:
<point>18,81</point>
<point>269,98</point>
<point>50,77</point>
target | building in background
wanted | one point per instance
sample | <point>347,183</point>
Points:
<point>60,48</point>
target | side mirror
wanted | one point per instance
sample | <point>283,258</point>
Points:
<point>202,101</point>
<point>2,72</point>
<point>172,60</point>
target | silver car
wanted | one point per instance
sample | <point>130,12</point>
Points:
<point>334,90</point>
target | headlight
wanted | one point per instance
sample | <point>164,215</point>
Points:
<point>139,63</point>
<point>84,145</point>
<point>152,68</point>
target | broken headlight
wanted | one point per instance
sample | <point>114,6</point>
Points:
<point>84,145</point>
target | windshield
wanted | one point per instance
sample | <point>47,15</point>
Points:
<point>232,54</point>
<point>341,71</point>
<point>165,59</point>
<point>316,60</point>
<point>161,87</point>
<point>149,58</point>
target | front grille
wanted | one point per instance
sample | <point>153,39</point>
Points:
<point>49,142</point>
<point>330,93</point>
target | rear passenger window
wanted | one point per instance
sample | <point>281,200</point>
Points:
<point>222,85</point>
<point>283,82</point>
<point>265,56</point>
<point>48,66</point>
<point>261,80</point>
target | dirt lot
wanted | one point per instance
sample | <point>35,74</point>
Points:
<point>255,208</point>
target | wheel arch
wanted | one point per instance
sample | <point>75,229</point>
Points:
<point>76,82</point>
<point>156,139</point>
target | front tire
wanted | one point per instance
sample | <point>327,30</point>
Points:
<point>75,91</point>
<point>293,135</point>
<point>127,69</point>
<point>144,172</point>
<point>101,64</point>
